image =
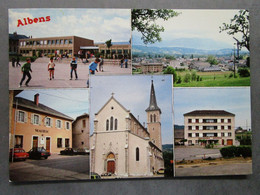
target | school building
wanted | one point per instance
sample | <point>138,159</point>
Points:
<point>209,127</point>
<point>33,124</point>
<point>51,45</point>
<point>73,46</point>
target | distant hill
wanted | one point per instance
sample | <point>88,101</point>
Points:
<point>178,51</point>
<point>178,127</point>
<point>166,147</point>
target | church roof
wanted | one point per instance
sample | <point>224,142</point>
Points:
<point>112,97</point>
<point>153,104</point>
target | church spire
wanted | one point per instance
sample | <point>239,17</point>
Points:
<point>153,104</point>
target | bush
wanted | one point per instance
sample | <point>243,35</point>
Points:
<point>187,78</point>
<point>193,76</point>
<point>179,80</point>
<point>171,70</point>
<point>209,146</point>
<point>233,151</point>
<point>231,75</point>
<point>243,72</point>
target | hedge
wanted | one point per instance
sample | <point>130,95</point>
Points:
<point>233,151</point>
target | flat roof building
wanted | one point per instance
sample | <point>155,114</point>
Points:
<point>209,127</point>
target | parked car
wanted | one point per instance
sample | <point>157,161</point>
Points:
<point>95,175</point>
<point>68,151</point>
<point>160,171</point>
<point>38,153</point>
<point>18,154</point>
<point>82,151</point>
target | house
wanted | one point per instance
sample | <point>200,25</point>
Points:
<point>80,132</point>
<point>209,126</point>
<point>36,125</point>
<point>121,145</point>
<point>14,42</point>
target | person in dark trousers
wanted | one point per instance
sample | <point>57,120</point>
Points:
<point>13,62</point>
<point>18,61</point>
<point>101,63</point>
<point>73,67</point>
<point>126,61</point>
<point>26,69</point>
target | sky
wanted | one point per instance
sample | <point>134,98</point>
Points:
<point>235,100</point>
<point>196,23</point>
<point>71,102</point>
<point>133,92</point>
<point>99,25</point>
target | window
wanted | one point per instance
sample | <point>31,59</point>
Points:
<point>151,118</point>
<point>107,125</point>
<point>59,142</point>
<point>35,119</point>
<point>21,116</point>
<point>197,127</point>
<point>45,42</point>
<point>111,123</point>
<point>154,118</point>
<point>84,123</point>
<point>197,134</point>
<point>67,125</point>
<point>57,42</point>
<point>67,143</point>
<point>190,127</point>
<point>48,122</point>
<point>49,42</point>
<point>189,120</point>
<point>58,124</point>
<point>229,120</point>
<point>115,124</point>
<point>229,134</point>
<point>189,134</point>
<point>66,41</point>
<point>62,41</point>
<point>18,141</point>
<point>222,127</point>
<point>229,127</point>
<point>70,41</point>
<point>197,120</point>
<point>53,42</point>
<point>137,154</point>
<point>222,120</point>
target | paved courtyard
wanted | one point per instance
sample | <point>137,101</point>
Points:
<point>40,74</point>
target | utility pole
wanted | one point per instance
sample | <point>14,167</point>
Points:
<point>236,58</point>
<point>234,64</point>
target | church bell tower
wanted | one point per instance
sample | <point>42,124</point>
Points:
<point>154,120</point>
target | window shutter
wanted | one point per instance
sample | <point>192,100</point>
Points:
<point>45,120</point>
<point>17,115</point>
<point>56,124</point>
<point>25,117</point>
<point>32,118</point>
<point>40,120</point>
<point>61,124</point>
<point>51,122</point>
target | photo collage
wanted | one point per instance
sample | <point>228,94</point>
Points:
<point>128,93</point>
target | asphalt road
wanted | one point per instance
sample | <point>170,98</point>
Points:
<point>214,170</point>
<point>52,169</point>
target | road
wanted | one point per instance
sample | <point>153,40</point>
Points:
<point>214,170</point>
<point>189,153</point>
<point>40,74</point>
<point>56,167</point>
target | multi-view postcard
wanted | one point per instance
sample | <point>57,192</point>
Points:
<point>121,93</point>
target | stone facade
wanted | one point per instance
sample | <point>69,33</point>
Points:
<point>80,132</point>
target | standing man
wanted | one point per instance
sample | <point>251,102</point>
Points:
<point>18,61</point>
<point>93,68</point>
<point>73,67</point>
<point>26,69</point>
<point>101,63</point>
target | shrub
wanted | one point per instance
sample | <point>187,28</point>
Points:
<point>187,78</point>
<point>171,70</point>
<point>193,76</point>
<point>179,80</point>
<point>231,75</point>
<point>243,72</point>
<point>232,151</point>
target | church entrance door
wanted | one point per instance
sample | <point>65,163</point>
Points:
<point>111,167</point>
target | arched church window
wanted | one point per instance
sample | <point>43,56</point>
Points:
<point>107,125</point>
<point>115,124</point>
<point>154,118</point>
<point>151,118</point>
<point>111,123</point>
<point>137,154</point>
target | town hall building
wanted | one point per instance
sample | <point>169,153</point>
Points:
<point>121,145</point>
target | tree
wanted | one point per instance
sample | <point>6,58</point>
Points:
<point>109,43</point>
<point>143,20</point>
<point>239,24</point>
<point>171,70</point>
<point>212,60</point>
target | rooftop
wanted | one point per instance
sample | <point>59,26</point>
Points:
<point>209,113</point>
<point>28,104</point>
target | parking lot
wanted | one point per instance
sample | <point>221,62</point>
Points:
<point>56,167</point>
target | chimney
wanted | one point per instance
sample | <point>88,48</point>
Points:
<point>36,99</point>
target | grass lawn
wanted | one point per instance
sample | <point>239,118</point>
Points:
<point>214,79</point>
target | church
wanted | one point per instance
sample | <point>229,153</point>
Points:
<point>121,145</point>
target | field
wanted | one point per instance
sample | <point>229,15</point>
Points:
<point>214,79</point>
